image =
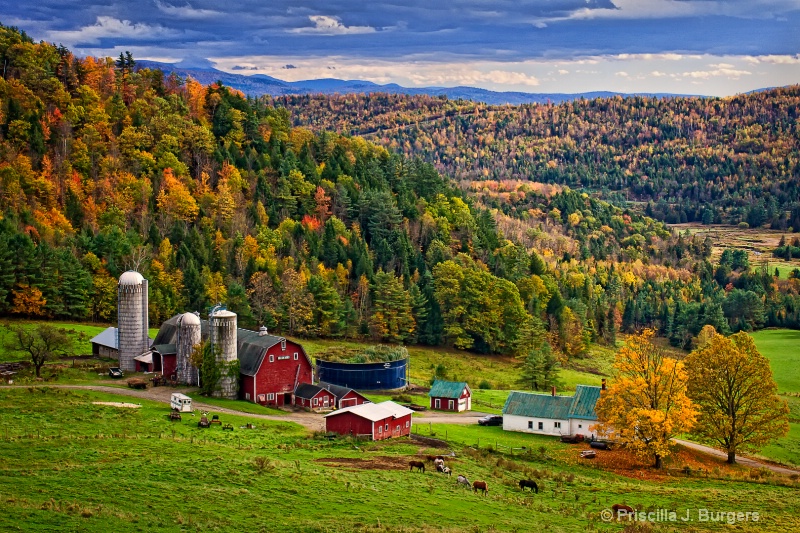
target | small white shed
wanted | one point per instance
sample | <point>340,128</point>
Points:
<point>181,402</point>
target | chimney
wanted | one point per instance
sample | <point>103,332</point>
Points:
<point>262,331</point>
<point>553,392</point>
<point>603,384</point>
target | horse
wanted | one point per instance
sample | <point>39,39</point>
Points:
<point>419,465</point>
<point>480,485</point>
<point>531,484</point>
<point>620,509</point>
<point>462,480</point>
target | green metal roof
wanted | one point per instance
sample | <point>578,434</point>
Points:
<point>581,405</point>
<point>166,349</point>
<point>447,389</point>
<point>584,401</point>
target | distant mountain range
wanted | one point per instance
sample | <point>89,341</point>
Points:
<point>260,84</point>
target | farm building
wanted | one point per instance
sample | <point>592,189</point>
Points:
<point>271,367</point>
<point>450,396</point>
<point>550,414</point>
<point>105,344</point>
<point>345,397</point>
<point>384,375</point>
<point>314,397</point>
<point>377,420</point>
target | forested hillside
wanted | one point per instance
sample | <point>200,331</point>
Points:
<point>217,198</point>
<point>710,160</point>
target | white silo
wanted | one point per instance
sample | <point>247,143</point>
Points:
<point>132,318</point>
<point>188,338</point>
<point>222,325</point>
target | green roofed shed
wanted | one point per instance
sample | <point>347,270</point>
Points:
<point>450,396</point>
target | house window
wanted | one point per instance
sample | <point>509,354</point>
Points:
<point>316,402</point>
<point>579,426</point>
<point>271,358</point>
<point>557,425</point>
<point>283,345</point>
<point>530,424</point>
<point>541,426</point>
<point>295,356</point>
<point>451,404</point>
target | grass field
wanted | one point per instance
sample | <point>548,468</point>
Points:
<point>71,465</point>
<point>782,348</point>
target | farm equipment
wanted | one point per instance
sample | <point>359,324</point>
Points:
<point>204,423</point>
<point>228,427</point>
<point>588,454</point>
<point>215,420</point>
<point>158,380</point>
<point>600,445</point>
<point>572,439</point>
<point>137,383</point>
<point>174,415</point>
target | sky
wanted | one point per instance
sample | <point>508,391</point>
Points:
<point>707,47</point>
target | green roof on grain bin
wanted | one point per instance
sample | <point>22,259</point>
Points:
<point>581,405</point>
<point>447,389</point>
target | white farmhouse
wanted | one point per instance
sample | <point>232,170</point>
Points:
<point>549,414</point>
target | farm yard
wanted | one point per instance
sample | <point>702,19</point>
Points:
<point>147,473</point>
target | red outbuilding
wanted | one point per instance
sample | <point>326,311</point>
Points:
<point>450,396</point>
<point>314,397</point>
<point>345,397</point>
<point>271,367</point>
<point>377,420</point>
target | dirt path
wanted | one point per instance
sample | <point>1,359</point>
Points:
<point>746,461</point>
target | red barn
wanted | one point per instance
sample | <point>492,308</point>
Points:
<point>450,396</point>
<point>377,420</point>
<point>271,367</point>
<point>345,397</point>
<point>314,397</point>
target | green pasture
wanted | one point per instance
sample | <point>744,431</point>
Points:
<point>71,465</point>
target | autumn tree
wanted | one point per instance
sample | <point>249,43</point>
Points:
<point>731,383</point>
<point>42,343</point>
<point>646,405</point>
<point>392,318</point>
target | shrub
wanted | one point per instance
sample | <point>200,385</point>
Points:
<point>484,385</point>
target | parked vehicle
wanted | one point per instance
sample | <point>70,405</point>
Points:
<point>180,402</point>
<point>115,372</point>
<point>491,420</point>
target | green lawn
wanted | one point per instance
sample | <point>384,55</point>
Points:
<point>71,465</point>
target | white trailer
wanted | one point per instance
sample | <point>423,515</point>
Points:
<point>181,402</point>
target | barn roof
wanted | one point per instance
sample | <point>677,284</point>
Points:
<point>581,405</point>
<point>448,389</point>
<point>375,411</point>
<point>165,349</point>
<point>307,390</point>
<point>337,390</point>
<point>252,347</point>
<point>108,337</point>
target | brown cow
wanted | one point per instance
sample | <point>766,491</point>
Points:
<point>621,510</point>
<point>480,485</point>
<point>419,465</point>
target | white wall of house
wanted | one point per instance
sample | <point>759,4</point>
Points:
<point>525,424</point>
<point>580,426</point>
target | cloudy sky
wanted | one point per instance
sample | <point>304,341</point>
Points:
<point>713,47</point>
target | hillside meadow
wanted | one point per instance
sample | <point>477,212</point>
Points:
<point>71,464</point>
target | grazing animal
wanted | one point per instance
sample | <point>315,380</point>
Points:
<point>439,467</point>
<point>446,470</point>
<point>429,458</point>
<point>531,484</point>
<point>480,485</point>
<point>462,480</point>
<point>620,509</point>
<point>438,462</point>
<point>419,465</point>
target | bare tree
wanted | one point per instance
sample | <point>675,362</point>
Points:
<point>41,343</point>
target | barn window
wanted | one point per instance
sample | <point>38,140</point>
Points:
<point>295,356</point>
<point>557,425</point>
<point>407,423</point>
<point>437,403</point>
<point>450,404</point>
<point>530,424</point>
<point>387,427</point>
<point>541,425</point>
<point>283,345</point>
<point>246,395</point>
<point>262,398</point>
<point>270,396</point>
<point>271,358</point>
<point>380,429</point>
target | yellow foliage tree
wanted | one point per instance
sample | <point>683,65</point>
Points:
<point>175,198</point>
<point>28,301</point>
<point>646,405</point>
<point>732,385</point>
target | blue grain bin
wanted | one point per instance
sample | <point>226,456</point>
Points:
<point>364,376</point>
